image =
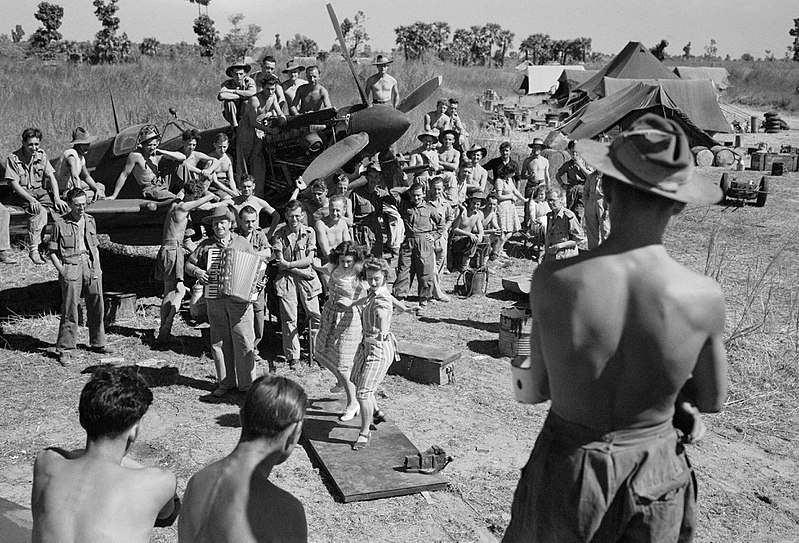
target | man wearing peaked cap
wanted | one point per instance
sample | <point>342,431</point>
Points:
<point>609,463</point>
<point>381,87</point>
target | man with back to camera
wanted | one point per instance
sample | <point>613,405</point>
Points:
<point>233,500</point>
<point>99,493</point>
<point>608,464</point>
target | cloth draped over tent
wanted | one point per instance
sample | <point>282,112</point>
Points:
<point>540,78</point>
<point>623,107</point>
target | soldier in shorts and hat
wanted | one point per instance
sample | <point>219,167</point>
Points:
<point>618,362</point>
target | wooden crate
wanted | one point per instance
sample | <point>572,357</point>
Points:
<point>426,364</point>
<point>763,161</point>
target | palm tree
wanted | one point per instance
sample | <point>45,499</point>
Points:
<point>201,3</point>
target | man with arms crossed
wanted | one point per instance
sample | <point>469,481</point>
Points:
<point>381,87</point>
<point>233,500</point>
<point>99,493</point>
<point>608,464</point>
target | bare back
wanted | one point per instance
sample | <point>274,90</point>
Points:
<point>621,333</point>
<point>86,499</point>
<point>227,503</point>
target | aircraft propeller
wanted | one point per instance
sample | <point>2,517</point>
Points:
<point>345,52</point>
<point>335,156</point>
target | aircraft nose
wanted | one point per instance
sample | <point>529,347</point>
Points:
<point>384,124</point>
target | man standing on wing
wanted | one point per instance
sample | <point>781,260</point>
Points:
<point>622,335</point>
<point>381,87</point>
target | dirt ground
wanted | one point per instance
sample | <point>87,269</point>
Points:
<point>747,466</point>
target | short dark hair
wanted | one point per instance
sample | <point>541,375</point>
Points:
<point>220,138</point>
<point>338,198</point>
<point>318,184</point>
<point>292,206</point>
<point>114,399</point>
<point>346,248</point>
<point>454,101</point>
<point>190,134</point>
<point>269,79</point>
<point>504,145</point>
<point>314,67</point>
<point>271,405</point>
<point>268,58</point>
<point>417,185</point>
<point>248,210</point>
<point>74,192</point>
<point>29,133</point>
<point>374,263</point>
<point>247,178</point>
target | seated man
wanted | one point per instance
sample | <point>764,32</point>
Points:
<point>71,171</point>
<point>99,493</point>
<point>32,179</point>
<point>233,500</point>
<point>236,91</point>
<point>449,158</point>
<point>268,70</point>
<point>294,81</point>
<point>438,120</point>
<point>457,124</point>
<point>311,96</point>
<point>467,232</point>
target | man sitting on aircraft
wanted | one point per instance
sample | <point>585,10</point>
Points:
<point>382,87</point>
<point>236,91</point>
<point>294,81</point>
<point>190,168</point>
<point>71,171</point>
<point>269,67</point>
<point>312,96</point>
<point>457,124</point>
<point>438,120</point>
<point>26,171</point>
<point>143,164</point>
<point>99,493</point>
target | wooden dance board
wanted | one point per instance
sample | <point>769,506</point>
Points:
<point>16,523</point>
<point>371,473</point>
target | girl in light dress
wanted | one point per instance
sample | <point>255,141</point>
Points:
<point>340,330</point>
<point>508,219</point>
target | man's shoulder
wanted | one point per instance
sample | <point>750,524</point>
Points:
<point>569,213</point>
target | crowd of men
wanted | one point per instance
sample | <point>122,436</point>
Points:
<point>449,208</point>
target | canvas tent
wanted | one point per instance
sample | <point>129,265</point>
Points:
<point>541,78</point>
<point>570,80</point>
<point>635,61</point>
<point>718,75</point>
<point>638,97</point>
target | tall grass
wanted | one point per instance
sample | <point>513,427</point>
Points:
<point>765,84</point>
<point>56,99</point>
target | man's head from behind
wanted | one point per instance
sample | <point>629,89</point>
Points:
<point>113,402</point>
<point>273,409</point>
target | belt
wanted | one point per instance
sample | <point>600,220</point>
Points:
<point>412,235</point>
<point>75,258</point>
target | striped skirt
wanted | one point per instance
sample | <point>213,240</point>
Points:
<point>371,364</point>
<point>338,338</point>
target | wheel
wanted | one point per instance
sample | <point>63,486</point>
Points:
<point>762,192</point>
<point>725,187</point>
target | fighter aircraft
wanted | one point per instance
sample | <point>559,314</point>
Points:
<point>322,139</point>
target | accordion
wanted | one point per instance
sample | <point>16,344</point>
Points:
<point>234,274</point>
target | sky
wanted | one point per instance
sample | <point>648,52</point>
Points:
<point>738,26</point>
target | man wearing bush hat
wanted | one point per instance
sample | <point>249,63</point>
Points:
<point>71,171</point>
<point>294,81</point>
<point>232,328</point>
<point>237,90</point>
<point>628,366</point>
<point>381,87</point>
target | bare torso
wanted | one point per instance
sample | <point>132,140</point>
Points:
<point>87,499</point>
<point>469,222</point>
<point>145,169</point>
<point>312,98</point>
<point>381,88</point>
<point>621,333</point>
<point>228,503</point>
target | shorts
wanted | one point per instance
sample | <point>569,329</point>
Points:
<point>169,263</point>
<point>581,485</point>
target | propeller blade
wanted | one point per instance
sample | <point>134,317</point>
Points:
<point>345,52</point>
<point>422,93</point>
<point>335,156</point>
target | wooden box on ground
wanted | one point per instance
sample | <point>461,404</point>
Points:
<point>763,161</point>
<point>426,364</point>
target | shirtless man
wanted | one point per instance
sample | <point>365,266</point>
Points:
<point>233,500</point>
<point>311,96</point>
<point>143,164</point>
<point>236,91</point>
<point>457,124</point>
<point>381,87</point>
<point>616,356</point>
<point>426,155</point>
<point>190,168</point>
<point>294,81</point>
<point>467,232</point>
<point>534,172</point>
<point>437,120</point>
<point>314,202</point>
<point>449,159</point>
<point>269,67</point>
<point>71,171</point>
<point>248,198</point>
<point>479,179</point>
<point>262,114</point>
<point>170,259</point>
<point>99,493</point>
<point>333,229</point>
<point>223,180</point>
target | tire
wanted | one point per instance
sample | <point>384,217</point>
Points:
<point>762,192</point>
<point>725,187</point>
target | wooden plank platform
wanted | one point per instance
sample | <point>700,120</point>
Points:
<point>371,473</point>
<point>16,522</point>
